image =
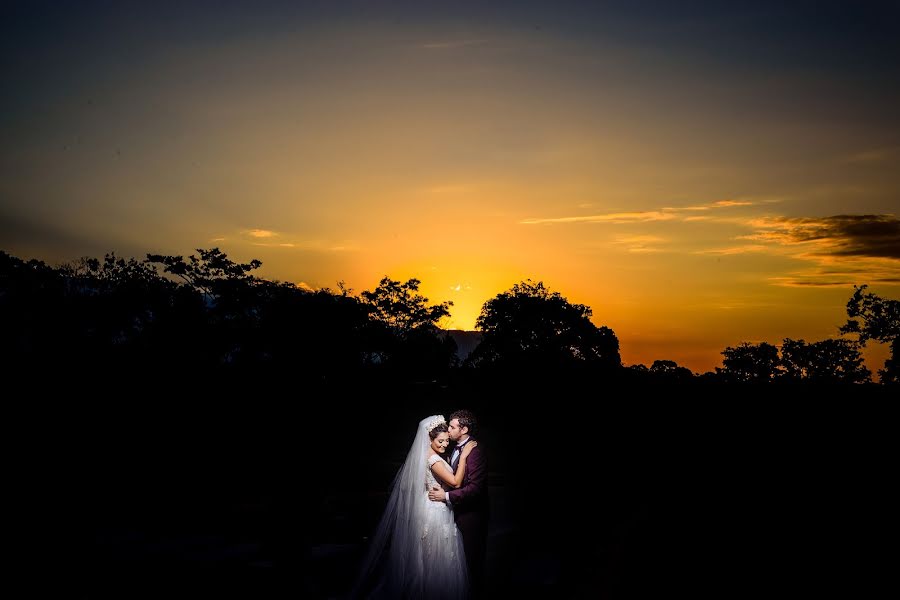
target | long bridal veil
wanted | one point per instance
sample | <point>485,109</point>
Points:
<point>394,565</point>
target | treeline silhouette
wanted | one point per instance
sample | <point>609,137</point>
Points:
<point>207,316</point>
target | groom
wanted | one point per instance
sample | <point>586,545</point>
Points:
<point>470,500</point>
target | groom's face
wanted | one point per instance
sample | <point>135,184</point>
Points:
<point>455,431</point>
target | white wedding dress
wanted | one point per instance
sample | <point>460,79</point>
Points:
<point>417,551</point>
<point>443,559</point>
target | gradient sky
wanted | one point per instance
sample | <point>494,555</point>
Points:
<point>698,175</point>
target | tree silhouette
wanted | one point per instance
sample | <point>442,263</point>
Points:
<point>35,315</point>
<point>410,339</point>
<point>875,318</point>
<point>208,314</point>
<point>400,307</point>
<point>120,306</point>
<point>669,371</point>
<point>212,273</point>
<point>319,335</point>
<point>234,299</point>
<point>530,327</point>
<point>749,363</point>
<point>827,361</point>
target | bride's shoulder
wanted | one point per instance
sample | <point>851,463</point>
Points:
<point>433,459</point>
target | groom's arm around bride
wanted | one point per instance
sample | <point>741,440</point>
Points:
<point>474,486</point>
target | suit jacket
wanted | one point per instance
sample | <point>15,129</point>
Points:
<point>472,495</point>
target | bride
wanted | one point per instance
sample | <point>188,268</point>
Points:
<point>417,550</point>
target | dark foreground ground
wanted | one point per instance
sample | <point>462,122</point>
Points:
<point>601,494</point>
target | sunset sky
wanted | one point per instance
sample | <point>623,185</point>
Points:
<point>699,175</point>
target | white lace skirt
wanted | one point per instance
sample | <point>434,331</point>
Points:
<point>443,560</point>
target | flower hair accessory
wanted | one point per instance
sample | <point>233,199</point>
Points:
<point>433,422</point>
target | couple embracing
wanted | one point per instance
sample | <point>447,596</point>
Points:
<point>431,540</point>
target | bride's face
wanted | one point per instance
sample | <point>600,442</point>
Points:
<point>439,444</point>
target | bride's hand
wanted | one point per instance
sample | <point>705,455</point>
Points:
<point>468,449</point>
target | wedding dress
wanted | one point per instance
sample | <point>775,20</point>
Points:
<point>417,550</point>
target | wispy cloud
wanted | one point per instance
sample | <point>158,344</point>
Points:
<point>311,245</point>
<point>874,155</point>
<point>711,206</point>
<point>260,233</point>
<point>640,243</point>
<point>623,217</point>
<point>804,281</point>
<point>812,279</point>
<point>668,213</point>
<point>746,249</point>
<point>871,271</point>
<point>729,203</point>
<point>449,44</point>
<point>450,188</point>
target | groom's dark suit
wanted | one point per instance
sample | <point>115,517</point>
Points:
<point>470,510</point>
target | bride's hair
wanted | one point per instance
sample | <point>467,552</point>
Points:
<point>439,428</point>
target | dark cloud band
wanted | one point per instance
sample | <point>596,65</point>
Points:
<point>873,236</point>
